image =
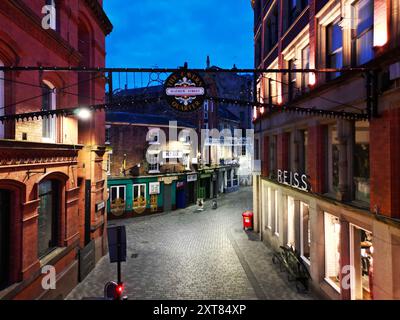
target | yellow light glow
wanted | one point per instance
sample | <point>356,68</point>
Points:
<point>311,79</point>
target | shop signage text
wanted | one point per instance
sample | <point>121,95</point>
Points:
<point>185,91</point>
<point>294,179</point>
<point>100,205</point>
<point>167,180</point>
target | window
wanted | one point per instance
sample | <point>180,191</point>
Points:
<point>333,159</point>
<point>139,195</point>
<point>48,104</point>
<point>291,239</point>
<point>256,150</point>
<point>361,161</point>
<point>276,214</point>
<point>303,151</point>
<point>305,232</point>
<point>332,250</point>
<point>206,110</point>
<point>292,6</point>
<point>334,44</point>
<point>257,51</point>
<point>118,192</point>
<point>108,136</point>
<point>292,80</point>
<point>270,207</point>
<point>362,32</point>
<point>2,100</point>
<point>235,178</point>
<point>49,206</point>
<point>109,163</point>
<point>154,136</point>
<point>154,163</point>
<point>305,64</point>
<point>273,156</point>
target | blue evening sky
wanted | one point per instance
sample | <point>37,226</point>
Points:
<point>166,33</point>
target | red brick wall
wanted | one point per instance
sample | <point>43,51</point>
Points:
<point>282,151</point>
<point>315,155</point>
<point>385,159</point>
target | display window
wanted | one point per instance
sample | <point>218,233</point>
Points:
<point>362,250</point>
<point>291,242</point>
<point>305,232</point>
<point>276,214</point>
<point>270,207</point>
<point>332,250</point>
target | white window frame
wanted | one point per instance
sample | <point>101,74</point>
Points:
<point>305,259</point>
<point>51,120</point>
<point>145,191</point>
<point>118,189</point>
<point>157,164</point>
<point>2,100</point>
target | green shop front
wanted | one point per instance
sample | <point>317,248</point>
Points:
<point>136,196</point>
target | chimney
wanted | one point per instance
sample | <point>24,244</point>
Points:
<point>208,62</point>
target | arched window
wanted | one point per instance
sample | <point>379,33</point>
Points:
<point>2,100</point>
<point>48,220</point>
<point>49,100</point>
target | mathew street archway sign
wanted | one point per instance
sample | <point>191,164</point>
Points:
<point>185,91</point>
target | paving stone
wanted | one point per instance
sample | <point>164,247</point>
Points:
<point>191,255</point>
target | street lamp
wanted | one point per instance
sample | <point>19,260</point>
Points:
<point>84,113</point>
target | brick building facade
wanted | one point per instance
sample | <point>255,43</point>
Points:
<point>345,225</point>
<point>52,176</point>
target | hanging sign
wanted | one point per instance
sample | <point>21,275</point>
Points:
<point>185,91</point>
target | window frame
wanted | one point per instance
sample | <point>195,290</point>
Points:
<point>51,131</point>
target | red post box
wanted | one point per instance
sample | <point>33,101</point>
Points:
<point>247,220</point>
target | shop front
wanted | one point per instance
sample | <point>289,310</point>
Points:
<point>204,189</point>
<point>169,192</point>
<point>335,241</point>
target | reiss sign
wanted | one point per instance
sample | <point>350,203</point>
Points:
<point>294,179</point>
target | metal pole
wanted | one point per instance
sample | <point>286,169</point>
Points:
<point>119,255</point>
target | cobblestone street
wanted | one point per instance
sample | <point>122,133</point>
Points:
<point>187,254</point>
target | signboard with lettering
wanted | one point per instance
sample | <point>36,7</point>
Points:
<point>100,205</point>
<point>172,154</point>
<point>185,91</point>
<point>167,180</point>
<point>154,187</point>
<point>294,179</point>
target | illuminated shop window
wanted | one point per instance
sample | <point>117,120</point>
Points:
<point>291,238</point>
<point>270,207</point>
<point>332,250</point>
<point>361,258</point>
<point>361,162</point>
<point>305,232</point>
<point>276,213</point>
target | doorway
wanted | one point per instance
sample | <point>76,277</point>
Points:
<point>5,208</point>
<point>167,197</point>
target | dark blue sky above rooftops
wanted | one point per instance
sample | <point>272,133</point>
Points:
<point>166,33</point>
